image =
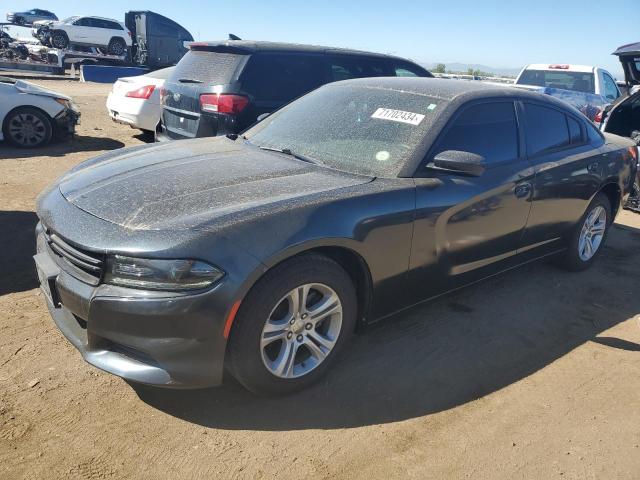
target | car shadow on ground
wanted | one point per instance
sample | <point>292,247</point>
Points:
<point>444,353</point>
<point>17,246</point>
<point>59,148</point>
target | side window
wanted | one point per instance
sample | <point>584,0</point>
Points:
<point>407,70</point>
<point>593,134</point>
<point>351,66</point>
<point>282,77</point>
<point>487,129</point>
<point>610,89</point>
<point>575,134</point>
<point>546,129</point>
<point>82,22</point>
<point>112,25</point>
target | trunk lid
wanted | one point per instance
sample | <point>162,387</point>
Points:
<point>629,56</point>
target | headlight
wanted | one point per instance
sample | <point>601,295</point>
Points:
<point>160,274</point>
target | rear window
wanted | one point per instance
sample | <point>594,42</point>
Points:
<point>575,81</point>
<point>207,67</point>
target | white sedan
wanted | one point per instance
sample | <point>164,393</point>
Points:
<point>31,115</point>
<point>135,101</point>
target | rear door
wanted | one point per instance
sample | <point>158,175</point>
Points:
<point>564,151</point>
<point>467,227</point>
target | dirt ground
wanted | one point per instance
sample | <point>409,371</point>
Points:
<point>532,374</point>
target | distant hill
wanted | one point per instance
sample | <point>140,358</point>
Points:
<point>463,67</point>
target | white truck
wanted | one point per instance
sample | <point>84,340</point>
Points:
<point>587,88</point>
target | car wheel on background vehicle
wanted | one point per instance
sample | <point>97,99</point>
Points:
<point>291,325</point>
<point>27,127</point>
<point>117,46</point>
<point>588,236</point>
<point>59,40</point>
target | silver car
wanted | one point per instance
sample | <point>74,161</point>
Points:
<point>28,17</point>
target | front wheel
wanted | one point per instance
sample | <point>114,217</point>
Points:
<point>59,40</point>
<point>27,127</point>
<point>588,235</point>
<point>291,325</point>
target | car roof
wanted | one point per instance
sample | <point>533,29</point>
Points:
<point>99,18</point>
<point>566,67</point>
<point>452,89</point>
<point>263,46</point>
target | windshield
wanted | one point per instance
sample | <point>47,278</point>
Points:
<point>358,129</point>
<point>576,81</point>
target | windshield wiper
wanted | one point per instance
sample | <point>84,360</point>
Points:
<point>287,151</point>
<point>189,80</point>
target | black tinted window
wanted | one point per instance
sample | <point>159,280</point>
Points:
<point>112,25</point>
<point>546,129</point>
<point>487,129</point>
<point>575,134</point>
<point>282,77</point>
<point>351,66</point>
<point>83,22</point>
<point>401,69</point>
<point>207,67</point>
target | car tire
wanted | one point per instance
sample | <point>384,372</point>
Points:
<point>302,353</point>
<point>27,127</point>
<point>588,236</point>
<point>59,40</point>
<point>117,46</point>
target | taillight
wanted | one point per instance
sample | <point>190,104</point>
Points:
<point>223,103</point>
<point>633,151</point>
<point>559,67</point>
<point>142,92</point>
<point>598,116</point>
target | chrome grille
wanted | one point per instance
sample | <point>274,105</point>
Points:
<point>81,261</point>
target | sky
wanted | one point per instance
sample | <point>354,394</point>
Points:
<point>497,33</point>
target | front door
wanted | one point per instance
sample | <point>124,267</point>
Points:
<point>468,226</point>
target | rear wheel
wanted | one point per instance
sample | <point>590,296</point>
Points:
<point>117,46</point>
<point>27,127</point>
<point>59,40</point>
<point>588,235</point>
<point>291,325</point>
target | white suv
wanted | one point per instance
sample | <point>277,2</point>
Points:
<point>86,31</point>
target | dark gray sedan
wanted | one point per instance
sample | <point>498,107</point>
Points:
<point>263,253</point>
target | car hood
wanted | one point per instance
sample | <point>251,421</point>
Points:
<point>27,87</point>
<point>189,183</point>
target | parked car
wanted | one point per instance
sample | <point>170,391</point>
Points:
<point>221,88</point>
<point>27,18</point>
<point>585,87</point>
<point>163,264</point>
<point>135,101</point>
<point>85,31</point>
<point>31,115</point>
<point>622,117</point>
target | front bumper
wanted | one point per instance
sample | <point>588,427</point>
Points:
<point>66,121</point>
<point>167,341</point>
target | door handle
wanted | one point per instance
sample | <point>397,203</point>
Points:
<point>522,190</point>
<point>593,167</point>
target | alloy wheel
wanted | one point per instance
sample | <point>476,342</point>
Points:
<point>27,130</point>
<point>301,330</point>
<point>592,233</point>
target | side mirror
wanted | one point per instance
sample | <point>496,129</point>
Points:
<point>458,162</point>
<point>262,117</point>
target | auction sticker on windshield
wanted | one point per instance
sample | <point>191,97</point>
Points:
<point>398,116</point>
